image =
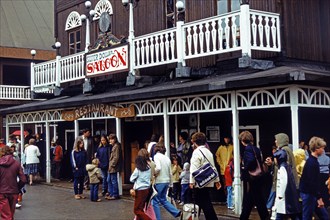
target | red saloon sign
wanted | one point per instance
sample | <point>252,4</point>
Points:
<point>107,61</point>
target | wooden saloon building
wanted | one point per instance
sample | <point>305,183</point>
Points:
<point>216,66</point>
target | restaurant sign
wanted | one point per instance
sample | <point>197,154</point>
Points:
<point>117,112</point>
<point>107,61</point>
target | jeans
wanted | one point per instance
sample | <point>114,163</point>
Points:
<point>105,181</point>
<point>78,185</point>
<point>271,199</point>
<point>94,188</point>
<point>185,193</point>
<point>230,196</point>
<point>160,199</point>
<point>113,185</point>
<point>309,205</point>
<point>140,203</point>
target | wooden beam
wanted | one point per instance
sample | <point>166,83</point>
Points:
<point>25,53</point>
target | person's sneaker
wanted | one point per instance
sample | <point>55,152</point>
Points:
<point>181,203</point>
<point>231,207</point>
<point>99,200</point>
<point>18,206</point>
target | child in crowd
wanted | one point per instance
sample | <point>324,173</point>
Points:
<point>229,176</point>
<point>184,176</point>
<point>176,170</point>
<point>94,174</point>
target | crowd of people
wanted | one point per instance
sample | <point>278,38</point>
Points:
<point>300,178</point>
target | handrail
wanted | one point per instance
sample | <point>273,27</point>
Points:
<point>205,37</point>
<point>15,92</point>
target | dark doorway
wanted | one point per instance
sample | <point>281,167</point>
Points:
<point>134,132</point>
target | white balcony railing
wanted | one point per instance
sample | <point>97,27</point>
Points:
<point>243,30</point>
<point>9,92</point>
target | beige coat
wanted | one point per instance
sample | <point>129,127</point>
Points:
<point>115,158</point>
<point>94,173</point>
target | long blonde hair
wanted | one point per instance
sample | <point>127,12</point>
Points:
<point>77,143</point>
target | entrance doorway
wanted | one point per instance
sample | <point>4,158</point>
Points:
<point>254,129</point>
<point>135,134</point>
<point>68,147</point>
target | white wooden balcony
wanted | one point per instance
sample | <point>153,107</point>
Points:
<point>243,30</point>
<point>8,92</point>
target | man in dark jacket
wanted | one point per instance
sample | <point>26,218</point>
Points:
<point>10,169</point>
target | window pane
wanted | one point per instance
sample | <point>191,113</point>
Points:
<point>223,6</point>
<point>71,38</point>
<point>78,47</point>
<point>78,36</point>
<point>235,5</point>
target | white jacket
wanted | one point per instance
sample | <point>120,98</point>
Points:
<point>198,160</point>
<point>163,168</point>
<point>282,181</point>
<point>32,153</point>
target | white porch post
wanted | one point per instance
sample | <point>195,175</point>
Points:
<point>48,165</point>
<point>7,130</point>
<point>130,39</point>
<point>22,134</point>
<point>237,173</point>
<point>166,130</point>
<point>176,130</point>
<point>119,176</point>
<point>58,69</point>
<point>180,43</point>
<point>76,128</point>
<point>294,117</point>
<point>245,30</point>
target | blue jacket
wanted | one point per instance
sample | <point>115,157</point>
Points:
<point>249,161</point>
<point>310,178</point>
<point>103,154</point>
<point>79,160</point>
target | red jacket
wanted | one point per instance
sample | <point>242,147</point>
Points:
<point>229,173</point>
<point>10,169</point>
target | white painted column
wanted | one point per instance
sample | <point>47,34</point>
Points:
<point>48,165</point>
<point>55,131</point>
<point>294,117</point>
<point>22,134</point>
<point>119,176</point>
<point>76,128</point>
<point>245,30</point>
<point>237,172</point>
<point>176,130</point>
<point>166,130</point>
<point>198,122</point>
<point>58,70</point>
<point>7,130</point>
<point>180,42</point>
<point>130,39</point>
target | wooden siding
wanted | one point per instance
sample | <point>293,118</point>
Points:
<point>306,30</point>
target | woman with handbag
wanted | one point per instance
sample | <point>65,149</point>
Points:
<point>200,156</point>
<point>253,186</point>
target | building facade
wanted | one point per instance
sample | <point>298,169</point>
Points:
<point>215,66</point>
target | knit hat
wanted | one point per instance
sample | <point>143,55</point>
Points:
<point>186,166</point>
<point>282,139</point>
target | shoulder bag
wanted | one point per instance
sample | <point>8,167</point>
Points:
<point>258,171</point>
<point>205,174</point>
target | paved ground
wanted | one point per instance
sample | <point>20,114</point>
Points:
<point>56,202</point>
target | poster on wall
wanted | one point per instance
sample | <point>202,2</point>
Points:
<point>213,133</point>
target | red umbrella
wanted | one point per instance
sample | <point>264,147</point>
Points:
<point>18,133</point>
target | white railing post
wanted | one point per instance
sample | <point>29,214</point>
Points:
<point>32,77</point>
<point>58,71</point>
<point>180,42</point>
<point>245,30</point>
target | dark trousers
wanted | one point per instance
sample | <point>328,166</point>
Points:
<point>203,200</point>
<point>139,204</point>
<point>176,191</point>
<point>94,191</point>
<point>253,196</point>
<point>78,185</point>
